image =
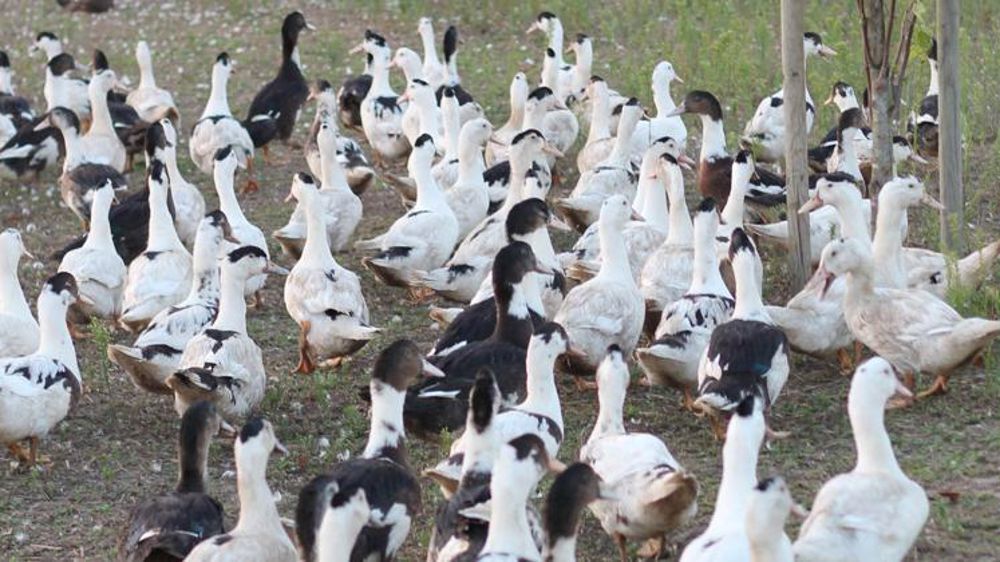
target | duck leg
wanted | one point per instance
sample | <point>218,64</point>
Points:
<point>846,363</point>
<point>251,186</point>
<point>689,401</point>
<point>622,548</point>
<point>266,154</point>
<point>718,426</point>
<point>306,365</point>
<point>18,452</point>
<point>33,456</point>
<point>653,548</point>
<point>940,386</point>
<point>258,301</point>
<point>583,385</point>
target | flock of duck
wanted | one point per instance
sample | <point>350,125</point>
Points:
<point>646,280</point>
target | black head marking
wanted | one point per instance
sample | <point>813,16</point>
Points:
<point>932,50</point>
<point>525,134</point>
<point>745,408</point>
<point>739,242</point>
<point>581,37</point>
<point>839,177</point>
<point>420,82</point>
<point>707,205</point>
<point>546,16</point>
<point>596,78</point>
<point>766,483</point>
<point>305,178</point>
<point>62,281</point>
<point>549,329</point>
<point>614,349</point>
<point>703,103</point>
<point>482,399</point>
<point>399,364</point>
<point>374,38</point>
<point>251,429</point>
<point>64,118</point>
<point>217,218</point>
<point>46,35</point>
<point>61,64</point>
<point>157,171</point>
<point>632,102</point>
<point>743,156</point>
<point>449,92</point>
<point>527,445</point>
<point>813,37</point>
<point>223,153</point>
<point>293,24</point>
<point>100,61</point>
<point>851,118</point>
<point>246,252</point>
<point>223,57</point>
<point>669,158</point>
<point>550,53</point>
<point>900,140</point>
<point>512,262</point>
<point>156,138</point>
<point>527,217</point>
<point>423,139</point>
<point>4,60</point>
<point>323,86</point>
<point>540,93</point>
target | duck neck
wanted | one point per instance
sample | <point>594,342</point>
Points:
<point>470,164</point>
<point>661,98</point>
<point>610,412</point>
<point>430,52</point>
<point>556,43</point>
<point>739,476</point>
<point>54,338</point>
<point>534,117</point>
<point>290,48</point>
<point>887,246</point>
<point>339,528</point>
<point>430,116</point>
<point>705,276</point>
<point>848,163</point>
<point>681,229</point>
<point>852,219</point>
<point>71,141</point>
<point>748,301</point>
<point>386,436</point>
<point>732,214</point>
<point>173,172</point>
<point>623,139</point>
<point>870,438</point>
<point>541,246</point>
<point>614,254</point>
<point>429,194</point>
<point>563,549</point>
<point>452,129</point>
<point>232,313</point>
<point>12,299</point>
<point>600,118</point>
<point>583,67</point>
<point>333,178</point>
<point>542,395</point>
<point>713,142</point>
<point>99,112</point>
<point>227,197</point>
<point>509,531</point>
<point>380,76</point>
<point>218,100</point>
<point>162,234</point>
<point>513,323</point>
<point>932,88</point>
<point>205,266</point>
<point>146,77</point>
<point>517,103</point>
<point>99,236</point>
<point>6,86</point>
<point>193,465</point>
<point>258,512</point>
<point>316,250</point>
<point>654,202</point>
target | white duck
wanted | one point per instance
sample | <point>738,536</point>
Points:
<point>381,110</point>
<point>258,535</point>
<point>149,100</point>
<point>609,308</point>
<point>731,369</point>
<point>341,208</point>
<point>583,49</point>
<point>546,112</point>
<point>497,149</point>
<point>767,512</point>
<point>16,322</point>
<point>243,231</point>
<point>423,238</point>
<point>217,129</point>
<point>767,126</point>
<point>98,269</point>
<point>422,105</point>
<point>874,512</point>
<point>664,124</point>
<point>599,142</point>
<point>434,70</point>
<point>910,328</point>
<point>37,390</point>
<point>101,143</point>
<point>63,90</point>
<point>654,494</point>
<point>725,539</point>
<point>614,176</point>
<point>189,203</point>
<point>323,298</point>
<point>687,323</point>
<point>156,353</point>
<point>222,363</point>
<point>161,276</point>
<point>468,196</point>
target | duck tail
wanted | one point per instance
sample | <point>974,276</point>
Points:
<point>774,232</point>
<point>578,212</point>
<point>262,128</point>
<point>146,373</point>
<point>582,271</point>
<point>676,482</point>
<point>974,267</point>
<point>370,244</point>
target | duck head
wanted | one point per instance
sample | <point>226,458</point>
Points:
<point>255,444</point>
<point>842,95</point>
<point>61,288</point>
<point>12,248</point>
<point>907,192</point>
<point>65,120</point>
<point>813,45</point>
<point>304,187</point>
<point>843,256</point>
<point>701,103</point>
<point>832,189</point>
<point>875,383</point>
<point>48,43</point>
<point>61,64</point>
<point>401,364</point>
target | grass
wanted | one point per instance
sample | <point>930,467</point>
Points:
<point>118,446</point>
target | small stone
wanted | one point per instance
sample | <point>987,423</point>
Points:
<point>228,475</point>
<point>322,443</point>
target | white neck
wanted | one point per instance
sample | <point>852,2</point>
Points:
<point>556,43</point>
<point>232,313</point>
<point>534,117</point>
<point>887,246</point>
<point>541,246</point>
<point>622,150</point>
<point>705,277</point>
<point>600,117</point>
<point>430,116</point>
<point>100,115</point>
<point>162,233</point>
<point>681,229</point>
<point>542,397</point>
<point>218,100</point>
<point>870,437</point>
<point>614,254</point>
<point>71,141</point>
<point>610,413</point>
<point>452,130</point>
<point>227,196</point>
<point>99,236</point>
<point>146,78</point>
<point>205,269</point>
<point>480,449</point>
<point>380,77</point>
<point>54,338</point>
<point>12,299</point>
<point>173,172</point>
<point>654,198</point>
<point>258,512</point>
<point>509,531</point>
<point>386,428</point>
<point>847,102</point>
<point>430,52</point>
<point>316,250</point>
<point>564,550</point>
<point>517,101</point>
<point>429,194</point>
<point>550,74</point>
<point>852,219</point>
<point>932,88</point>
<point>733,214</point>
<point>339,530</point>
<point>713,142</point>
<point>739,476</point>
<point>848,163</point>
<point>470,163</point>
<point>6,87</point>
<point>661,98</point>
<point>333,178</point>
<point>583,67</point>
<point>748,301</point>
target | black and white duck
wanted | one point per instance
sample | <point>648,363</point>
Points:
<point>32,148</point>
<point>352,93</point>
<point>572,491</point>
<point>281,99</point>
<point>561,79</point>
<point>258,535</point>
<point>169,526</point>
<point>38,390</point>
<point>925,124</point>
<point>14,107</point>
<point>381,110</point>
<point>62,89</point>
<point>87,6</point>
<point>342,522</point>
<point>16,322</point>
<point>360,174</point>
<point>468,109</point>
<point>382,471</point>
<point>126,123</point>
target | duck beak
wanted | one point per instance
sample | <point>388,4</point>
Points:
<point>534,27</point>
<point>607,492</point>
<point>902,391</point>
<point>825,51</point>
<point>686,162</point>
<point>544,269</point>
<point>279,448</point>
<point>931,202</point>
<point>310,26</point>
<point>828,279</point>
<point>275,269</point>
<point>549,149</point>
<point>27,253</point>
<point>799,511</point>
<point>290,197</point>
<point>575,353</point>
<point>357,48</point>
<point>560,105</point>
<point>558,224</point>
<point>496,141</point>
<point>405,97</point>
<point>392,64</point>
<point>85,300</point>
<point>829,100</point>
<point>636,216</point>
<point>679,110</point>
<point>556,466</point>
<point>918,158</point>
<point>814,202</point>
<point>430,371</point>
<point>226,430</point>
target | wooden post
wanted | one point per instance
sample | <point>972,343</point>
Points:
<point>796,178</point>
<point>949,131</point>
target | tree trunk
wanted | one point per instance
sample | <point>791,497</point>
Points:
<point>949,132</point>
<point>797,176</point>
<point>877,37</point>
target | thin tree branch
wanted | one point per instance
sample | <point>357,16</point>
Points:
<point>902,59</point>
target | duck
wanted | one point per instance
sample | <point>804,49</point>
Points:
<point>282,99</point>
<point>340,206</point>
<point>766,128</point>
<point>685,326</point>
<point>352,93</point>
<point>614,176</point>
<point>666,274</point>
<point>101,143</point>
<point>217,129</point>
<point>873,512</point>
<point>258,535</point>
<point>360,175</point>
<point>150,101</point>
<point>546,112</point>
<point>663,124</point>
<point>911,328</point>
<point>925,125</point>
<point>767,512</point>
<point>16,108</point>
<point>715,163</point>
<point>99,271</point>
<point>446,168</point>
<point>468,109</point>
<point>323,297</point>
<point>497,148</point>
<point>653,493</point>
<point>434,70</point>
<point>382,110</point>
<point>748,355</point>
<point>526,223</point>
<point>572,491</point>
<point>247,233</point>
<point>160,277</point>
<point>48,43</point>
<point>726,536</point>
<point>125,123</point>
<point>80,177</point>
<point>38,390</point>
<point>442,404</point>
<point>222,363</point>
<point>30,150</point>
<point>842,96</point>
<point>422,116</point>
<point>583,50</point>
<point>607,309</point>
<point>63,90</point>
<point>468,196</point>
<point>423,238</point>
<point>172,524</point>
<point>342,522</point>
<point>539,414</point>
<point>599,143</point>
<point>560,74</point>
<point>650,224</point>
<point>156,352</point>
<point>382,470</point>
<point>16,321</point>
<point>188,202</point>
<point>733,213</point>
